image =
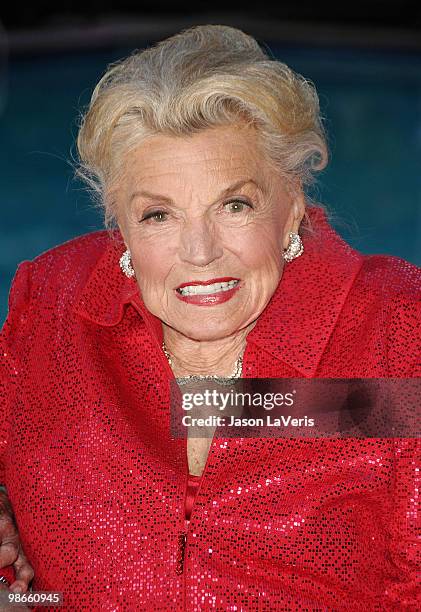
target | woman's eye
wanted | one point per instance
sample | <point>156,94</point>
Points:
<point>156,215</point>
<point>236,206</point>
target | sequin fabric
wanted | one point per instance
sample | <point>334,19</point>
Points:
<point>98,486</point>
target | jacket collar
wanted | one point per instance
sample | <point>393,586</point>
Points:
<point>107,292</point>
<point>298,321</point>
<point>300,318</point>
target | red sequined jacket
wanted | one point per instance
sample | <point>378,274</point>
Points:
<point>98,484</point>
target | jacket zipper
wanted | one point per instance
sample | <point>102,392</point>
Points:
<point>181,552</point>
<point>181,558</point>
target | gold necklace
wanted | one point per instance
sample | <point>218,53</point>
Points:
<point>220,380</point>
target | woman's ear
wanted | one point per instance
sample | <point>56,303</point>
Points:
<point>296,214</point>
<point>122,229</point>
<point>299,206</point>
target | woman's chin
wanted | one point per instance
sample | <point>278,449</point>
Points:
<point>205,331</point>
<point>208,331</point>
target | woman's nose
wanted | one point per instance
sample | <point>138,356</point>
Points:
<point>199,244</point>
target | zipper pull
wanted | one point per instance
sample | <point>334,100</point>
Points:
<point>181,549</point>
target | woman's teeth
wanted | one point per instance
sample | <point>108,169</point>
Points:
<point>207,289</point>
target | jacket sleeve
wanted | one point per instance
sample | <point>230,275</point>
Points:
<point>12,342</point>
<point>404,341</point>
<point>403,589</point>
<point>404,359</point>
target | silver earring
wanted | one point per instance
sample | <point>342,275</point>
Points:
<point>295,247</point>
<point>126,264</point>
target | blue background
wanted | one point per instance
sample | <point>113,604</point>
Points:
<point>371,102</point>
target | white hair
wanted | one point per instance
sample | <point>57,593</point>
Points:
<point>203,77</point>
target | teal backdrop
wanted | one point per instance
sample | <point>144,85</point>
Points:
<point>371,102</point>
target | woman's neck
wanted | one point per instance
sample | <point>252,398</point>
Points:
<point>204,357</point>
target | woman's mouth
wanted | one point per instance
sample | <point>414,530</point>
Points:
<point>208,293</point>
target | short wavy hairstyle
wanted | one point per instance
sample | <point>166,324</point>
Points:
<point>203,77</point>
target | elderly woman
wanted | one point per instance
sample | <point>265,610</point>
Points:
<point>213,265</point>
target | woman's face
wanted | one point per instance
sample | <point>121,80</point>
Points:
<point>206,220</point>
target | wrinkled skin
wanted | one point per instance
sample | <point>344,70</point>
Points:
<point>11,553</point>
<point>198,208</point>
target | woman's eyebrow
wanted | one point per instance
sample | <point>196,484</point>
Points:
<point>225,192</point>
<point>150,196</point>
<point>233,188</point>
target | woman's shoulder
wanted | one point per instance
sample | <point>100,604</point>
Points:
<point>389,277</point>
<point>74,259</point>
<point>388,293</point>
<point>85,249</point>
<point>62,270</point>
<point>381,276</point>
